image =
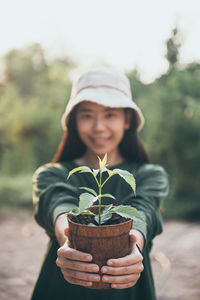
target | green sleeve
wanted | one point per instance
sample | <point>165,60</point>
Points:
<point>151,188</point>
<point>52,195</point>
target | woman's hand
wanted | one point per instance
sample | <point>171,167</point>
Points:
<point>75,265</point>
<point>124,272</point>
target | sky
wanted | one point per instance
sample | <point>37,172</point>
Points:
<point>124,34</point>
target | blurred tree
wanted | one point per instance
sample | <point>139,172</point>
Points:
<point>171,105</point>
<point>173,44</point>
<point>22,68</point>
<point>33,96</point>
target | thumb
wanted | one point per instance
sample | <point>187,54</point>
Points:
<point>67,234</point>
<point>132,239</point>
<point>66,231</point>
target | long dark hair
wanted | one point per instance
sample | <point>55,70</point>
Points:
<point>71,146</point>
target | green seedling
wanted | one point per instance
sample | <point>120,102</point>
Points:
<point>89,197</point>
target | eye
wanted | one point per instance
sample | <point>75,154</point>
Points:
<point>110,115</point>
<point>86,116</point>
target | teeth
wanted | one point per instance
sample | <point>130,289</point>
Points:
<point>100,138</point>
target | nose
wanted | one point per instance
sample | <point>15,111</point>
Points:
<point>99,124</point>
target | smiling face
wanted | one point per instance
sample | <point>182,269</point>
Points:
<point>101,128</point>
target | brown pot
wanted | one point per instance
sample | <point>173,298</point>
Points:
<point>102,242</point>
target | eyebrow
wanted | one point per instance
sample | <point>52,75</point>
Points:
<point>90,110</point>
<point>85,110</point>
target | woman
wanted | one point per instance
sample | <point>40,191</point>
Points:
<point>99,118</point>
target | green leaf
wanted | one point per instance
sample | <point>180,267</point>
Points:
<point>95,171</point>
<point>100,163</point>
<point>86,200</point>
<point>127,176</point>
<point>75,211</point>
<point>88,190</point>
<point>104,218</point>
<point>110,173</point>
<point>91,225</point>
<point>78,169</point>
<point>87,212</point>
<point>125,211</point>
<point>86,171</point>
<point>106,209</point>
<point>104,161</point>
<point>108,195</point>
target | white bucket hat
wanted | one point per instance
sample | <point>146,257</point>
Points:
<point>106,87</point>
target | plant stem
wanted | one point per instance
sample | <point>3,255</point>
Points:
<point>99,198</point>
<point>96,180</point>
<point>106,180</point>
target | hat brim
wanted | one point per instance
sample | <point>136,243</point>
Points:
<point>104,96</point>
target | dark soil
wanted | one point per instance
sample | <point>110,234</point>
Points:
<point>89,219</point>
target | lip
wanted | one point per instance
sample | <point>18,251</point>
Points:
<point>99,141</point>
<point>100,137</point>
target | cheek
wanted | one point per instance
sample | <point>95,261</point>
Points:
<point>83,127</point>
<point>120,131</point>
<point>119,127</point>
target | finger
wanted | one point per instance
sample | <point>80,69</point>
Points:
<point>73,254</point>
<point>136,268</point>
<point>121,279</point>
<point>76,265</point>
<point>119,286</point>
<point>126,260</point>
<point>78,281</point>
<point>81,275</point>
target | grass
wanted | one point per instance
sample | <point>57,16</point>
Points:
<point>16,191</point>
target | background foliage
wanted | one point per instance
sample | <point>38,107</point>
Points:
<point>33,96</point>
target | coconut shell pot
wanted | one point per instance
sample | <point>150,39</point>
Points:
<point>102,242</point>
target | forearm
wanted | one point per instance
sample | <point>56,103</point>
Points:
<point>52,195</point>
<point>152,187</point>
<point>61,224</point>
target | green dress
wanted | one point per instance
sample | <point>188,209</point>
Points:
<point>54,195</point>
